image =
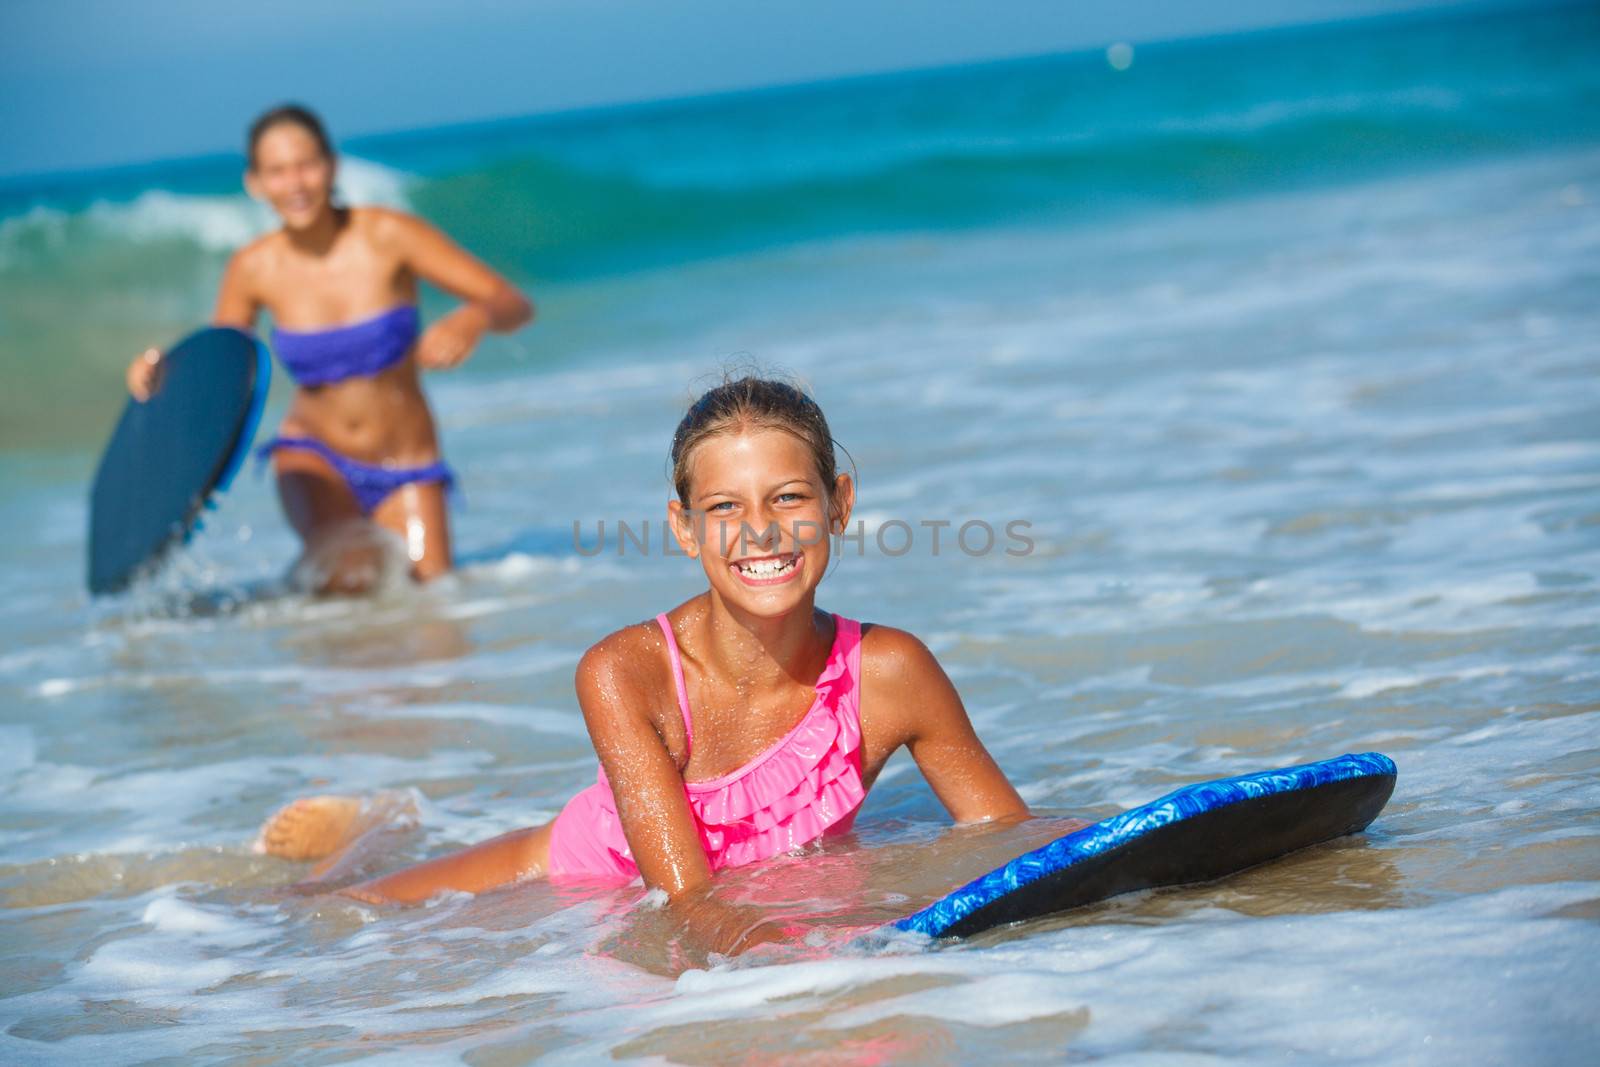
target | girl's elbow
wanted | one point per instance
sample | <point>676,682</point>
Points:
<point>519,309</point>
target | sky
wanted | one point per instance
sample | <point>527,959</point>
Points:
<point>94,83</point>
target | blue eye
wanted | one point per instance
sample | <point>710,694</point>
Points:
<point>719,506</point>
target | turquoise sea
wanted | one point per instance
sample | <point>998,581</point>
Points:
<point>1286,347</point>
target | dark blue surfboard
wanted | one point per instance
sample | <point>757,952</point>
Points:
<point>1196,834</point>
<point>169,454</point>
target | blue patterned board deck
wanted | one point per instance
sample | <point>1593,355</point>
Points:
<point>170,454</point>
<point>1196,834</point>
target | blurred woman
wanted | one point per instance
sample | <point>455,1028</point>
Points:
<point>358,445</point>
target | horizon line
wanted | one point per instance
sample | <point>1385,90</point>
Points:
<point>23,183</point>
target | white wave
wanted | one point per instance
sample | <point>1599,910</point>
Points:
<point>216,223</point>
<point>1372,1003</point>
<point>363,182</point>
<point>1421,99</point>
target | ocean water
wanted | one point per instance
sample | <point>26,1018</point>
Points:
<point>1285,347</point>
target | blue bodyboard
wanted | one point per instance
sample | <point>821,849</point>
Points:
<point>169,454</point>
<point>1196,834</point>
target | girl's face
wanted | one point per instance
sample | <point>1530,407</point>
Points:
<point>759,519</point>
<point>292,174</point>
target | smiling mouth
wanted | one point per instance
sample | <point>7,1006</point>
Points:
<point>768,570</point>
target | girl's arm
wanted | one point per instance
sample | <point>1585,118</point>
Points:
<point>236,306</point>
<point>912,696</point>
<point>614,693</point>
<point>615,688</point>
<point>489,302</point>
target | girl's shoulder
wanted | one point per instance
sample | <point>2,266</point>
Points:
<point>636,650</point>
<point>258,253</point>
<point>905,692</point>
<point>252,270</point>
<point>375,217</point>
<point>628,668</point>
<point>894,654</point>
<point>900,679</point>
<point>388,228</point>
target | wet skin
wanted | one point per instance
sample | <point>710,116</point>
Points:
<point>751,647</point>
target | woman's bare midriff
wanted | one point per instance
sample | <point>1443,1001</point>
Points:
<point>381,418</point>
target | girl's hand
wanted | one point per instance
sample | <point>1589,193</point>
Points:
<point>766,932</point>
<point>144,374</point>
<point>729,929</point>
<point>450,340</point>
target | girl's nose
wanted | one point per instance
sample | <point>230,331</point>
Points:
<point>763,533</point>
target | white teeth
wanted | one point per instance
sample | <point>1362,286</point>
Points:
<point>767,568</point>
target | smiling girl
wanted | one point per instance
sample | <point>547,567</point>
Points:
<point>739,725</point>
<point>359,442</point>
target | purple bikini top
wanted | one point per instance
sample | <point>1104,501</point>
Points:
<point>317,357</point>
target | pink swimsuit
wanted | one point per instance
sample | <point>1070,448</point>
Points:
<point>806,785</point>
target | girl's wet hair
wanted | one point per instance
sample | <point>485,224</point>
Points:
<point>749,403</point>
<point>287,115</point>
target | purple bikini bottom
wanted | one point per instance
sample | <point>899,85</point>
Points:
<point>370,483</point>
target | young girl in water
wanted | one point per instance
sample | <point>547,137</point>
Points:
<point>358,442</point>
<point>741,724</point>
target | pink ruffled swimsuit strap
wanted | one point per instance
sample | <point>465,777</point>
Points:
<point>805,785</point>
<point>677,680</point>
